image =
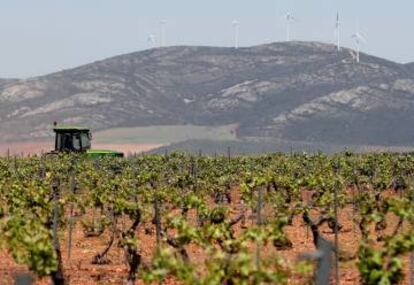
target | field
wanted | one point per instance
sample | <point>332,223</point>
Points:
<point>181,219</point>
<point>130,140</point>
<point>165,134</point>
<point>39,147</point>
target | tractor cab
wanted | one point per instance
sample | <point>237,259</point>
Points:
<point>72,139</point>
<point>78,139</point>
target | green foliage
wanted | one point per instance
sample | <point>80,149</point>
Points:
<point>186,189</point>
<point>30,243</point>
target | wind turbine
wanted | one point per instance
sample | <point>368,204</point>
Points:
<point>337,32</point>
<point>236,26</point>
<point>163,23</point>
<point>151,40</point>
<point>359,39</point>
<point>289,18</point>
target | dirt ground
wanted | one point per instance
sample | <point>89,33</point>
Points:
<point>38,147</point>
<point>80,271</point>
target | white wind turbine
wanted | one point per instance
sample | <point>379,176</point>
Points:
<point>337,32</point>
<point>359,39</point>
<point>289,19</point>
<point>163,23</point>
<point>236,27</point>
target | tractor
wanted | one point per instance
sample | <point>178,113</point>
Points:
<point>78,139</point>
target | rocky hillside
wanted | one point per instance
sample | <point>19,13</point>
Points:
<point>298,91</point>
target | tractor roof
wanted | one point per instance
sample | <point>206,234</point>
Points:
<point>69,128</point>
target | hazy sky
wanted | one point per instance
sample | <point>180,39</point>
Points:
<point>42,36</point>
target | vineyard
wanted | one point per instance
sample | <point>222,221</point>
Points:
<point>192,219</point>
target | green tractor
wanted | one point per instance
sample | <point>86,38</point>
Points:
<point>78,139</point>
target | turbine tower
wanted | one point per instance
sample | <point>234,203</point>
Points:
<point>163,23</point>
<point>289,19</point>
<point>359,39</point>
<point>236,26</point>
<point>151,40</point>
<point>337,32</point>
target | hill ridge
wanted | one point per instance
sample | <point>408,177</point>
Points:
<point>301,91</point>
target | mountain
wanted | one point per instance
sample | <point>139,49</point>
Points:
<point>293,91</point>
<point>410,66</point>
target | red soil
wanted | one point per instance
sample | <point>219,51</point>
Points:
<point>38,147</point>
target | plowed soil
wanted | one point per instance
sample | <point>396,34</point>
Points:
<point>39,147</point>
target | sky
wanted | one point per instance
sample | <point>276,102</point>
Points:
<point>43,36</point>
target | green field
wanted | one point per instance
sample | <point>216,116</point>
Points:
<point>164,134</point>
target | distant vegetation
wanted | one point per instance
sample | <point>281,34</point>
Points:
<point>256,146</point>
